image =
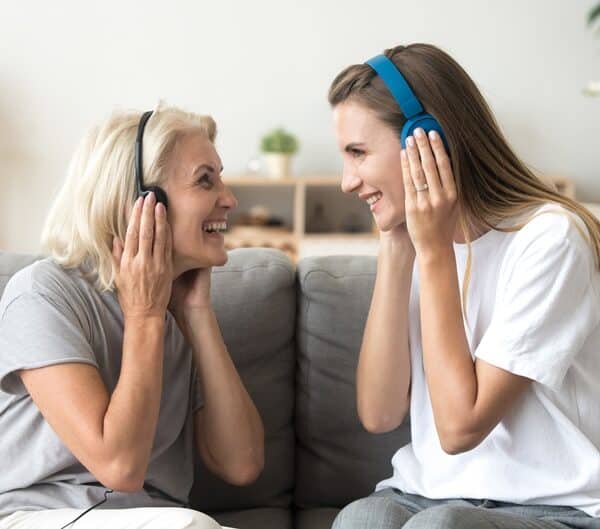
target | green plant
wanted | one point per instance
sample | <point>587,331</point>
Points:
<point>279,141</point>
<point>593,87</point>
<point>594,14</point>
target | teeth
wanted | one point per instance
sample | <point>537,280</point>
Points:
<point>374,198</point>
<point>211,227</point>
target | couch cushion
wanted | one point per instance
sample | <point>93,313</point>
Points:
<point>337,460</point>
<point>256,519</point>
<point>320,518</point>
<point>255,303</point>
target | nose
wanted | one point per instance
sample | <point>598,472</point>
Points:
<point>350,180</point>
<point>227,199</point>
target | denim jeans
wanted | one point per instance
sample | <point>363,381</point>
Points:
<point>394,509</point>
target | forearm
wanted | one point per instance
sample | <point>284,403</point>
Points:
<point>232,428</point>
<point>129,424</point>
<point>449,367</point>
<point>383,374</point>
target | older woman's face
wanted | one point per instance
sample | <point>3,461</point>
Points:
<point>198,204</point>
<point>372,169</point>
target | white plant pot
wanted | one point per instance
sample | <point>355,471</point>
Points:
<point>278,165</point>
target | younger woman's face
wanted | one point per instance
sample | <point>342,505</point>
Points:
<point>371,154</point>
<point>199,203</point>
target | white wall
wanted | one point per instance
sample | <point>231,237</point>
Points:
<point>257,64</point>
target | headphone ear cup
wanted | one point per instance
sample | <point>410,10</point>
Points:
<point>159,193</point>
<point>425,121</point>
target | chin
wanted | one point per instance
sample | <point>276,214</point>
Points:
<point>214,257</point>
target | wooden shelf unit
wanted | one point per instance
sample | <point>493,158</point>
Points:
<point>290,240</point>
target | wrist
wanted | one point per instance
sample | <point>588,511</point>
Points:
<point>145,321</point>
<point>392,248</point>
<point>435,256</point>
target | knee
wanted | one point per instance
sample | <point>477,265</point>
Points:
<point>441,517</point>
<point>372,512</point>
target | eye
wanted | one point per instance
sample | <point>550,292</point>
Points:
<point>356,153</point>
<point>205,181</point>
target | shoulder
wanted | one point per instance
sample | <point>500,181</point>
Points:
<point>46,280</point>
<point>550,228</point>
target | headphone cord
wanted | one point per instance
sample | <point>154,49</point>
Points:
<point>106,493</point>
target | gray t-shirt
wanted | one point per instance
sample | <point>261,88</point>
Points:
<point>50,315</point>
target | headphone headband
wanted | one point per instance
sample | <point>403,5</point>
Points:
<point>142,191</point>
<point>397,85</point>
<point>139,165</point>
<point>415,116</point>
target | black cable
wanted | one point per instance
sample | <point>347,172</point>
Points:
<point>106,493</point>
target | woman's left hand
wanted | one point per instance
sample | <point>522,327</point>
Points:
<point>191,291</point>
<point>431,213</point>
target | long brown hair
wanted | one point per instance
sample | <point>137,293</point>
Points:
<point>492,183</point>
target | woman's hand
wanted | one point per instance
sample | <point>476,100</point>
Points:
<point>191,291</point>
<point>431,213</point>
<point>143,265</point>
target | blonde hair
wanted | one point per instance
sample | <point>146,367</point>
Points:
<point>492,183</point>
<point>93,203</point>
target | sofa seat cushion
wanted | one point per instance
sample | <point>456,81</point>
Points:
<point>265,518</point>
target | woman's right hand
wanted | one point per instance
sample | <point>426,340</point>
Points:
<point>143,265</point>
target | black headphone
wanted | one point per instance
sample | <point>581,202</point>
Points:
<point>142,191</point>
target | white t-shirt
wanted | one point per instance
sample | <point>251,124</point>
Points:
<point>534,310</point>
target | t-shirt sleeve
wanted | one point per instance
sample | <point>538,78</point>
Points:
<point>546,308</point>
<point>36,331</point>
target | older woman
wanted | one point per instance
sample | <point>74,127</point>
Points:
<point>113,371</point>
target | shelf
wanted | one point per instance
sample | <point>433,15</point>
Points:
<point>259,180</point>
<point>339,236</point>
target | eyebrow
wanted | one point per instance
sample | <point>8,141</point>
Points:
<point>208,167</point>
<point>353,145</point>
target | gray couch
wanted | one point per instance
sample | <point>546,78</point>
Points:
<point>294,335</point>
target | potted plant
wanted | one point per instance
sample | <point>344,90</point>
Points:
<point>278,146</point>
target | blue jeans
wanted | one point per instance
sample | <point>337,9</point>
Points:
<point>393,509</point>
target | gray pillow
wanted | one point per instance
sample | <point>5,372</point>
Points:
<point>337,460</point>
<point>254,297</point>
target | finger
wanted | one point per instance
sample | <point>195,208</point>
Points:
<point>147,225</point>
<point>409,187</point>
<point>443,162</point>
<point>428,163</point>
<point>133,229</point>
<point>169,243</point>
<point>160,236</point>
<point>414,162</point>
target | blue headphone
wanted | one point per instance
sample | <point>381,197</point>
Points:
<point>406,99</point>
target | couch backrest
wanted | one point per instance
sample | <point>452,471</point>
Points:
<point>11,263</point>
<point>337,460</point>
<point>254,297</point>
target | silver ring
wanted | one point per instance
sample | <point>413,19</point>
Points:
<point>424,187</point>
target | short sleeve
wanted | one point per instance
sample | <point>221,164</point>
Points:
<point>36,331</point>
<point>546,308</point>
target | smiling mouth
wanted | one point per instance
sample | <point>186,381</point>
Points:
<point>374,198</point>
<point>215,227</point>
